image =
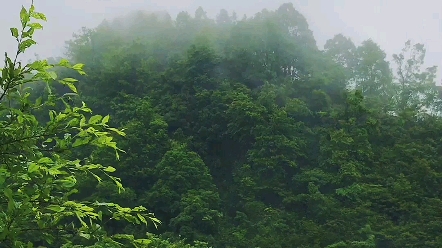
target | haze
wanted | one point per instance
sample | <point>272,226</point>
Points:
<point>389,23</point>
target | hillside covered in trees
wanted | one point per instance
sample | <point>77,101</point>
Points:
<point>241,132</point>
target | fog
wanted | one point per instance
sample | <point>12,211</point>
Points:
<point>389,23</point>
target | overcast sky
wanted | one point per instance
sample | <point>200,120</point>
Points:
<point>388,22</point>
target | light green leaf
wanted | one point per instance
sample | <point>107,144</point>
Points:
<point>70,80</point>
<point>81,141</point>
<point>105,119</point>
<point>83,121</point>
<point>35,25</point>
<point>26,44</point>
<point>32,9</point>
<point>45,160</point>
<point>14,32</point>
<point>64,63</point>
<point>33,167</point>
<point>143,241</point>
<point>24,16</point>
<point>52,115</point>
<point>95,119</point>
<point>52,75</point>
<point>85,235</point>
<point>28,33</point>
<point>38,16</point>
<point>72,87</point>
<point>69,182</point>
<point>142,219</point>
<point>119,132</point>
<point>96,177</point>
<point>56,208</point>
<point>109,169</point>
<point>78,67</point>
<point>71,94</point>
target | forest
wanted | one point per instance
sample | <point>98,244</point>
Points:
<point>232,132</point>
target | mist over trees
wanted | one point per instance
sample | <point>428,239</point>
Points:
<point>232,132</point>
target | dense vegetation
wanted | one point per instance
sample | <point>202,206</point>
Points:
<point>237,133</point>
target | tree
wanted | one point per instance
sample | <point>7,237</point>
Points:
<point>343,51</point>
<point>373,75</point>
<point>185,191</point>
<point>416,88</point>
<point>38,173</point>
<point>223,18</point>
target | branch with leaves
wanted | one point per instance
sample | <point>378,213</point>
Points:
<point>36,181</point>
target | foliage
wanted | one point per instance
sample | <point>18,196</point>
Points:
<point>237,133</point>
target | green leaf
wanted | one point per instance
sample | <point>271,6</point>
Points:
<point>32,9</point>
<point>72,87</point>
<point>95,119</point>
<point>56,208</point>
<point>64,63</point>
<point>81,141</point>
<point>35,25</point>
<point>38,16</point>
<point>142,241</point>
<point>14,32</point>
<point>105,119</point>
<point>8,193</point>
<point>142,219</point>
<point>20,119</point>
<point>52,115</point>
<point>24,16</point>
<point>11,204</point>
<point>78,67</point>
<point>70,80</point>
<point>52,74</point>
<point>26,44</point>
<point>45,160</point>
<point>69,182</point>
<point>119,132</point>
<point>85,235</point>
<point>109,169</point>
<point>78,214</point>
<point>96,177</point>
<point>124,236</point>
<point>72,94</point>
<point>33,167</point>
<point>117,155</point>
<point>82,121</point>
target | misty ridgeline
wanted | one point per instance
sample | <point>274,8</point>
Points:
<point>229,132</point>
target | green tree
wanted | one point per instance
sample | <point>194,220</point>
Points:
<point>416,87</point>
<point>373,76</point>
<point>185,194</point>
<point>343,52</point>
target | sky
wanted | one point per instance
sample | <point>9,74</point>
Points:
<point>390,23</point>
